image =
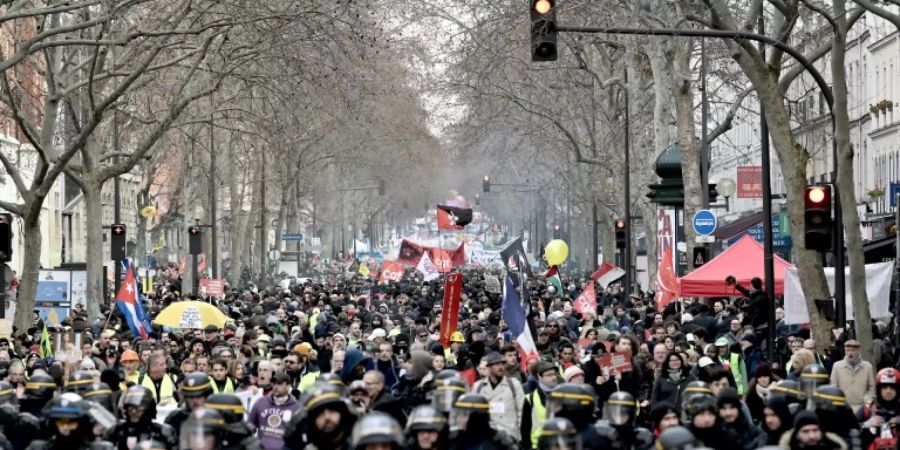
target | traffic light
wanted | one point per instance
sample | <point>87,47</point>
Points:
<point>543,30</point>
<point>620,234</point>
<point>195,240</point>
<point>817,217</point>
<point>117,242</point>
<point>6,235</point>
<point>486,184</point>
<point>381,187</point>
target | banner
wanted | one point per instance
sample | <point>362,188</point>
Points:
<point>391,271</point>
<point>878,291</point>
<point>515,259</point>
<point>666,281</point>
<point>586,301</point>
<point>749,182</point>
<point>410,254</point>
<point>450,313</point>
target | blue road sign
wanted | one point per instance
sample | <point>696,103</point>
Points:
<point>895,189</point>
<point>292,237</point>
<point>705,222</point>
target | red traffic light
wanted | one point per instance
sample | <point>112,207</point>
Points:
<point>118,229</point>
<point>543,6</point>
<point>818,195</point>
<point>620,224</point>
<point>194,230</point>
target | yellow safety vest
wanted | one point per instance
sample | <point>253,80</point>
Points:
<point>307,380</point>
<point>166,389</point>
<point>228,389</point>
<point>538,417</point>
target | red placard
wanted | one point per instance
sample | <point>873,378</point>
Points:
<point>212,287</point>
<point>587,300</point>
<point>450,313</point>
<point>391,271</point>
<point>616,362</point>
<point>749,182</point>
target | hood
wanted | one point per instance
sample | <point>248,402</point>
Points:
<point>420,364</point>
<point>352,359</point>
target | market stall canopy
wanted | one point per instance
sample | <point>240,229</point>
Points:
<point>743,260</point>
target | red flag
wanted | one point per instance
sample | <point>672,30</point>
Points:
<point>607,273</point>
<point>447,260</point>
<point>410,253</point>
<point>391,271</point>
<point>450,313</point>
<point>587,300</point>
<point>666,281</point>
<point>453,218</point>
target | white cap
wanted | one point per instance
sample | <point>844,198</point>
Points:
<point>378,332</point>
<point>689,337</point>
<point>705,361</point>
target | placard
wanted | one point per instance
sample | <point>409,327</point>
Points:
<point>613,363</point>
<point>190,318</point>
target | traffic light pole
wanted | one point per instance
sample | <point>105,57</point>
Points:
<point>839,282</point>
<point>117,203</point>
<point>627,250</point>
<point>768,258</point>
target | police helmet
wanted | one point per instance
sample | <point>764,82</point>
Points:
<point>335,380</point>
<point>426,418</point>
<point>677,438</point>
<point>467,406</point>
<point>140,397</point>
<point>376,428</point>
<point>620,409</point>
<point>79,382</point>
<point>446,392</point>
<point>40,387</point>
<point>196,384</point>
<point>572,398</point>
<point>66,406</point>
<point>200,424</point>
<point>557,433</point>
<point>829,397</point>
<point>7,393</point>
<point>811,377</point>
<point>101,394</point>
<point>228,405</point>
<point>790,389</point>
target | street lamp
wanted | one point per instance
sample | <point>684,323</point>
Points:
<point>726,188</point>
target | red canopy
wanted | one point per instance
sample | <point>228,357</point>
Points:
<point>743,260</point>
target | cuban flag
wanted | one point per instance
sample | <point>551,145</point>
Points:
<point>514,316</point>
<point>128,300</point>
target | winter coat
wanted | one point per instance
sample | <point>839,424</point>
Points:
<point>667,390</point>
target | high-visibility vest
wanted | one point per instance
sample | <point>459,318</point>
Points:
<point>228,389</point>
<point>739,372</point>
<point>538,417</point>
<point>307,380</point>
<point>166,389</point>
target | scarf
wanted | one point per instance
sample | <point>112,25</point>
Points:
<point>675,375</point>
<point>762,392</point>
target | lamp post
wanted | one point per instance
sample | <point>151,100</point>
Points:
<point>726,188</point>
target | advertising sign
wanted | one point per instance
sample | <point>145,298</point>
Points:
<point>749,182</point>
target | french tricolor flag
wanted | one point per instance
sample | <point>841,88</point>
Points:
<point>128,302</point>
<point>514,316</point>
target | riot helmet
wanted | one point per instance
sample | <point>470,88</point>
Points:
<point>446,392</point>
<point>677,438</point>
<point>620,409</point>
<point>202,430</point>
<point>376,428</point>
<point>469,409</point>
<point>811,377</point>
<point>138,404</point>
<point>426,418</point>
<point>228,405</point>
<point>829,397</point>
<point>558,433</point>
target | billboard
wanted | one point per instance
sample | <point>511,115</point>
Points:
<point>749,182</point>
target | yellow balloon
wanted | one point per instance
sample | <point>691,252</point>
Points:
<point>556,252</point>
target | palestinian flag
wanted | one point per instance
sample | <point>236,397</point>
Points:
<point>552,278</point>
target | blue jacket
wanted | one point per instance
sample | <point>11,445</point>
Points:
<point>352,359</point>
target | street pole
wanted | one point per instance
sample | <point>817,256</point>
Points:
<point>839,282</point>
<point>262,228</point>
<point>117,202</point>
<point>768,259</point>
<point>195,279</point>
<point>213,187</point>
<point>627,175</point>
<point>595,252</point>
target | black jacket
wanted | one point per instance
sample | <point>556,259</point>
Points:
<point>388,404</point>
<point>666,390</point>
<point>143,431</point>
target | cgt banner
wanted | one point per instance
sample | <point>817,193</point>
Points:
<point>450,313</point>
<point>445,260</point>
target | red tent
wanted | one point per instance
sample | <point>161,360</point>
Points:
<point>744,260</point>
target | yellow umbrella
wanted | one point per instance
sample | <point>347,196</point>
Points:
<point>191,314</point>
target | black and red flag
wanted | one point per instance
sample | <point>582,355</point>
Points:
<point>452,217</point>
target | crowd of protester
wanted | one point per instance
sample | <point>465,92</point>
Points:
<point>339,362</point>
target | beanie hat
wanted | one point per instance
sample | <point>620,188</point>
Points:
<point>763,370</point>
<point>572,372</point>
<point>660,410</point>
<point>729,396</point>
<point>805,418</point>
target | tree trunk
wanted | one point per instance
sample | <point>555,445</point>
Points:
<point>690,161</point>
<point>861,314</point>
<point>93,205</point>
<point>31,265</point>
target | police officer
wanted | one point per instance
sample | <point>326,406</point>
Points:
<point>101,394</point>
<point>678,438</point>
<point>237,433</point>
<point>38,391</point>
<point>693,389</point>
<point>426,429</point>
<point>833,412</point>
<point>68,424</point>
<point>446,391</point>
<point>194,390</point>
<point>617,426</point>
<point>558,434</point>
<point>19,428</point>
<point>470,427</point>
<point>202,430</point>
<point>811,377</point>
<point>577,403</point>
<point>328,420</point>
<point>376,431</point>
<point>139,410</point>
<point>792,393</point>
<point>79,382</point>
